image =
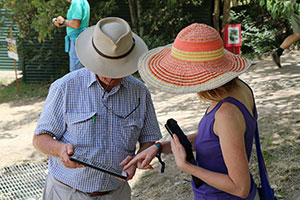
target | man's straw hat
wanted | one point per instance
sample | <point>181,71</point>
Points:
<point>110,49</point>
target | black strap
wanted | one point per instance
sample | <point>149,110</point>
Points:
<point>266,188</point>
<point>158,156</point>
<point>260,158</point>
<point>162,169</point>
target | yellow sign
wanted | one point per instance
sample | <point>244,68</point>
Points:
<point>12,48</point>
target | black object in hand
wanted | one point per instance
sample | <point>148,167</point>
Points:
<point>173,128</point>
<point>98,166</point>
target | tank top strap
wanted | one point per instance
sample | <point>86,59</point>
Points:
<point>237,103</point>
<point>254,110</point>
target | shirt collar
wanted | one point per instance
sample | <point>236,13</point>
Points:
<point>93,80</point>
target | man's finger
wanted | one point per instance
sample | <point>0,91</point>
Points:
<point>70,149</point>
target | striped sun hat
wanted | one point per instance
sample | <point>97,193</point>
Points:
<point>195,62</point>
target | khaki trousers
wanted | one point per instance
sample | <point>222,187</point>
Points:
<point>54,190</point>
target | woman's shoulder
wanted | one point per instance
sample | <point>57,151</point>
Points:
<point>228,110</point>
<point>227,118</point>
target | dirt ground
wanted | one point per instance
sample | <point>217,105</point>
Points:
<point>277,96</point>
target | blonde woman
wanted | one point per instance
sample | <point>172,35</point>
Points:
<point>197,63</point>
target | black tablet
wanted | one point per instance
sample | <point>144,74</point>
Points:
<point>98,166</point>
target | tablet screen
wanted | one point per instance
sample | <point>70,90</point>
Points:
<point>98,166</point>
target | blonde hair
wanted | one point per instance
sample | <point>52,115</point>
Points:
<point>219,93</point>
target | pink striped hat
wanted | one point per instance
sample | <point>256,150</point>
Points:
<point>196,61</point>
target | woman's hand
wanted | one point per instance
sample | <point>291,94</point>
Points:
<point>141,160</point>
<point>178,152</point>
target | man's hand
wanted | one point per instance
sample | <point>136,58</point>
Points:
<point>130,170</point>
<point>48,145</point>
<point>59,21</point>
<point>66,151</point>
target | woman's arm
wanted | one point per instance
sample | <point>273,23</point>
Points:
<point>230,127</point>
<point>143,158</point>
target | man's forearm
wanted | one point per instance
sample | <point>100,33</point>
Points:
<point>75,23</point>
<point>47,145</point>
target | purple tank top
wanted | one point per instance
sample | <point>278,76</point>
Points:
<point>209,155</point>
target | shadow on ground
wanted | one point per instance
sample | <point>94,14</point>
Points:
<point>277,96</point>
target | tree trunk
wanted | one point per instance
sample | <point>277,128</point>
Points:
<point>139,14</point>
<point>216,15</point>
<point>132,14</point>
<point>226,13</point>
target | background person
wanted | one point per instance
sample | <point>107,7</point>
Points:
<point>77,20</point>
<point>197,62</point>
<point>291,39</point>
<point>99,112</point>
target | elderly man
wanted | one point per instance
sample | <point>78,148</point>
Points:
<point>99,113</point>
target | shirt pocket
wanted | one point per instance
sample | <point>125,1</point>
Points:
<point>130,132</point>
<point>81,128</point>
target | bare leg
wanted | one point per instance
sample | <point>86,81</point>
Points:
<point>290,40</point>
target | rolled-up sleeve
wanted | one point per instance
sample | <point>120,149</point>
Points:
<point>52,118</point>
<point>150,131</point>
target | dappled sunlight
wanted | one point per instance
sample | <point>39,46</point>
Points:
<point>277,96</point>
<point>16,130</point>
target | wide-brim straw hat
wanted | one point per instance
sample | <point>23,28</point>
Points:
<point>110,49</point>
<point>195,62</point>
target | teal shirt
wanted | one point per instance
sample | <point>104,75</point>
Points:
<point>79,9</point>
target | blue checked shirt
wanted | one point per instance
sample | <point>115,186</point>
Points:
<point>74,112</point>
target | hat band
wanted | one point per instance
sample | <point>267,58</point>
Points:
<point>197,56</point>
<point>113,57</point>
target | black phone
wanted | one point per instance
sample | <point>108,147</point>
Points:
<point>82,160</point>
<point>173,128</point>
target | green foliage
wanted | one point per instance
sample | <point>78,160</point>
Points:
<point>39,39</point>
<point>158,21</point>
<point>256,40</point>
<point>161,24</point>
<point>101,9</point>
<point>34,17</point>
<point>259,30</point>
<point>269,158</point>
<point>281,8</point>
